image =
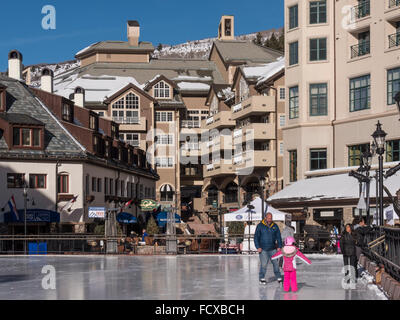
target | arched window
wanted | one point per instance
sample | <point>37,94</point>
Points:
<point>132,101</point>
<point>167,193</point>
<point>212,195</point>
<point>126,109</point>
<point>231,193</point>
<point>161,90</point>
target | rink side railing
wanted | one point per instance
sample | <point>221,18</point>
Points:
<point>384,248</point>
<point>97,244</point>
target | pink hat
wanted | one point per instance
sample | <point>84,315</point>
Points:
<point>289,241</point>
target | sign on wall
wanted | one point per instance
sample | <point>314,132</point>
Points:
<point>97,212</point>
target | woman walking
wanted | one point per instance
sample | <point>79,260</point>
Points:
<point>348,247</point>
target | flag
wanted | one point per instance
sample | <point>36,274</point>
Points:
<point>125,205</point>
<point>69,204</point>
<point>13,207</point>
<point>389,217</point>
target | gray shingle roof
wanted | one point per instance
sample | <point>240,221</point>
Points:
<point>20,101</point>
<point>235,50</point>
<point>18,118</point>
<point>116,46</point>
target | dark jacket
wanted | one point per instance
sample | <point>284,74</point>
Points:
<point>360,236</point>
<point>267,238</point>
<point>348,244</point>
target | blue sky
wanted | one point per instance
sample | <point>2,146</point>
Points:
<point>81,23</point>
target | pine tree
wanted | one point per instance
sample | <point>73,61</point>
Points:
<point>159,47</point>
<point>152,227</point>
<point>258,39</point>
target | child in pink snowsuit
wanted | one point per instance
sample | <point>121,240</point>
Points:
<point>290,253</point>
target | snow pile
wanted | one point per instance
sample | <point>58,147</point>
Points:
<point>369,280</point>
<point>264,71</point>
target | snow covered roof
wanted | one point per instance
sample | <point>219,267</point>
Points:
<point>97,88</point>
<point>193,86</point>
<point>265,71</point>
<point>115,46</point>
<point>339,186</point>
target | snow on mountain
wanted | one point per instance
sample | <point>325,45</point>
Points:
<point>200,49</point>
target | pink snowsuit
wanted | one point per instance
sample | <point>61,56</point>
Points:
<point>289,254</point>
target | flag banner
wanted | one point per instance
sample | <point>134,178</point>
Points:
<point>13,207</point>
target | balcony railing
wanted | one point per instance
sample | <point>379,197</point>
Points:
<point>360,49</point>
<point>362,10</point>
<point>237,108</point>
<point>131,120</point>
<point>394,3</point>
<point>394,40</point>
<point>190,124</point>
<point>210,120</point>
<point>134,143</point>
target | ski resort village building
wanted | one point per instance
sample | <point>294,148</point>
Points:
<point>166,107</point>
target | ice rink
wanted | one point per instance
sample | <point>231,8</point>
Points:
<point>190,277</point>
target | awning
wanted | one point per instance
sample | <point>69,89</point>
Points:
<point>126,218</point>
<point>32,216</point>
<point>166,188</point>
<point>162,218</point>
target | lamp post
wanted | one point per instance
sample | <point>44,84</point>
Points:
<point>25,205</point>
<point>367,161</point>
<point>379,138</point>
<point>262,185</point>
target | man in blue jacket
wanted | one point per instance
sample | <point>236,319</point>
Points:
<point>267,239</point>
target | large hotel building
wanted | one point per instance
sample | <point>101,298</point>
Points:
<point>342,72</point>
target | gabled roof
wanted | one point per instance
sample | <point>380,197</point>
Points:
<point>126,88</point>
<point>157,79</point>
<point>218,89</point>
<point>239,51</point>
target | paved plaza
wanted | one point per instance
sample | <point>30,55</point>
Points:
<point>190,277</point>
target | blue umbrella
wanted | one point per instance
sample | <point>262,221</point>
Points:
<point>126,218</point>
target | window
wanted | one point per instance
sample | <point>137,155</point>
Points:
<point>122,188</point>
<point>282,120</point>
<point>393,150</point>
<point>94,122</point>
<point>66,113</point>
<point>106,186</point>
<point>164,139</point>
<point>360,93</point>
<point>167,193</point>
<point>318,49</point>
<point>318,99</point>
<point>94,184</point>
<point>293,53</point>
<point>363,46</point>
<point>355,154</point>
<point>294,17</point>
<point>282,93</point>
<point>294,102</point>
<point>126,110</point>
<point>161,90</point>
<point>112,187</point>
<point>26,137</point>
<point>132,139</point>
<point>63,183</point>
<point>318,159</point>
<point>393,84</point>
<point>101,113</point>
<point>132,101</point>
<point>87,186</point>
<point>164,116</point>
<point>318,12</point>
<point>37,181</point>
<point>15,180</point>
<point>281,148</point>
<point>293,165</point>
<point>164,162</point>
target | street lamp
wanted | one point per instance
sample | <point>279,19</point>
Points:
<point>379,138</point>
<point>367,162</point>
<point>25,205</point>
<point>262,185</point>
<point>397,99</point>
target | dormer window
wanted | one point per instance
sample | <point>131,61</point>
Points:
<point>3,106</point>
<point>94,122</point>
<point>162,90</point>
<point>114,131</point>
<point>66,112</point>
<point>26,137</point>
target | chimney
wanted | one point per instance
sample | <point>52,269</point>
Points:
<point>15,65</point>
<point>79,97</point>
<point>47,80</point>
<point>133,33</point>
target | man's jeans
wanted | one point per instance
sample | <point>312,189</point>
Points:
<point>265,257</point>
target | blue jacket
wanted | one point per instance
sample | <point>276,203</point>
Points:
<point>266,237</point>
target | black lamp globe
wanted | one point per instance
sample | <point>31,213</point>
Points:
<point>262,181</point>
<point>379,138</point>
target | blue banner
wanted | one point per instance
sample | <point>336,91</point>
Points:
<point>33,215</point>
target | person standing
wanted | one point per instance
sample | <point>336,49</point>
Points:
<point>287,232</point>
<point>348,246</point>
<point>267,240</point>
